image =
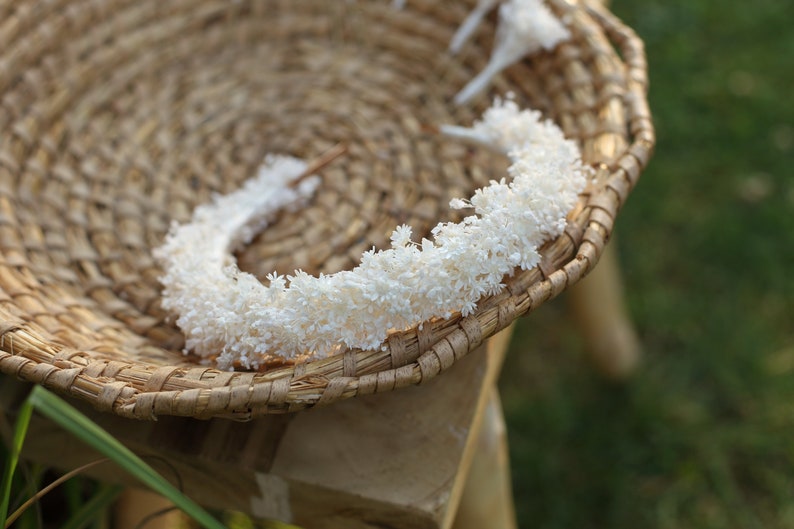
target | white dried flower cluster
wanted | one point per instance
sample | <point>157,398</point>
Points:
<point>222,309</point>
<point>525,27</point>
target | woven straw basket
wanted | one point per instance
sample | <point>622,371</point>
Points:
<point>118,116</point>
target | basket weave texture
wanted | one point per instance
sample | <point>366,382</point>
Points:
<point>119,116</point>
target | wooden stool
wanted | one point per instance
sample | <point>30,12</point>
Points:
<point>599,312</point>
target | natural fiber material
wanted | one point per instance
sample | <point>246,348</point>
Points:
<point>118,117</point>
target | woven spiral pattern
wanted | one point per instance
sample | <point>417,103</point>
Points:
<point>119,116</point>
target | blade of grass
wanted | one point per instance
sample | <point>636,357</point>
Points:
<point>32,475</point>
<point>91,509</point>
<point>46,490</point>
<point>85,429</point>
<point>73,492</point>
<point>20,430</point>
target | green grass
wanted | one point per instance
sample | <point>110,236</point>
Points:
<point>93,508</point>
<point>80,426</point>
<point>703,435</point>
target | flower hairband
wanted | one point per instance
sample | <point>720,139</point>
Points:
<point>231,317</point>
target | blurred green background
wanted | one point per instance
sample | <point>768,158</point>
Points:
<point>703,435</point>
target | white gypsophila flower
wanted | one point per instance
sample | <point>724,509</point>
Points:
<point>229,313</point>
<point>525,27</point>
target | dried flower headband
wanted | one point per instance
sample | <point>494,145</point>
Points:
<point>231,317</point>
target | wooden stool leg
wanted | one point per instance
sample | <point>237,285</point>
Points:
<point>487,499</point>
<point>599,312</point>
<point>135,504</point>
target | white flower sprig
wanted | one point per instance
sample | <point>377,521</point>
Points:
<point>469,25</point>
<point>525,27</point>
<point>229,313</point>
